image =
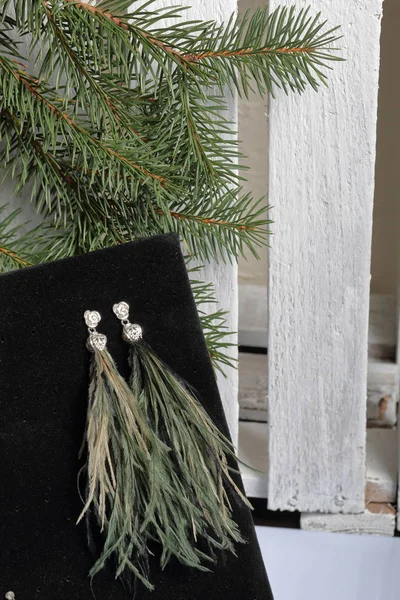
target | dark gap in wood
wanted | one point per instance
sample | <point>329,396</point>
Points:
<point>253,350</point>
<point>251,419</point>
<point>270,518</point>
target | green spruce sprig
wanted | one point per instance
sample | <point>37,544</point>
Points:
<point>18,248</point>
<point>116,119</point>
<point>213,322</point>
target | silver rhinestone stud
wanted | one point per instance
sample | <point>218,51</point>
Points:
<point>97,341</point>
<point>10,596</point>
<point>92,318</point>
<point>121,310</point>
<point>132,332</point>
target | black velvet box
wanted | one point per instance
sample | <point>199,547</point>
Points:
<point>44,387</point>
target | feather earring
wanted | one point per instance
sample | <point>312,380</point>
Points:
<point>199,453</point>
<point>119,447</point>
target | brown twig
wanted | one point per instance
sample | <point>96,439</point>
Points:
<point>245,52</point>
<point>189,57</point>
<point>14,256</point>
<point>98,11</point>
<point>32,85</point>
<point>205,221</point>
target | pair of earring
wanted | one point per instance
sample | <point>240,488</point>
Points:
<point>157,467</point>
<point>131,332</point>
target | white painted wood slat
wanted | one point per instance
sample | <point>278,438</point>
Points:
<point>377,519</point>
<point>253,452</point>
<point>382,393</point>
<point>253,377</point>
<point>381,462</point>
<point>383,374</point>
<point>224,278</point>
<point>321,185</point>
<point>253,315</point>
<point>398,363</point>
<point>382,390</point>
<point>381,482</point>
<point>222,275</point>
<point>382,329</point>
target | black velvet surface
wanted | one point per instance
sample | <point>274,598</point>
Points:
<point>43,399</point>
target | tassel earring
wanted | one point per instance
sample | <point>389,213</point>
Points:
<point>202,520</point>
<point>119,447</point>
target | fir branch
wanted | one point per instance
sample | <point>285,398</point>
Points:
<point>103,12</point>
<point>225,224</point>
<point>286,49</point>
<point>216,332</point>
<point>67,54</point>
<point>15,259</point>
<point>18,248</point>
<point>119,122</point>
<point>78,133</point>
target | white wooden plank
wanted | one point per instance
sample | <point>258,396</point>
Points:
<point>398,478</point>
<point>224,276</point>
<point>382,390</point>
<point>253,315</point>
<point>382,393</point>
<point>381,463</point>
<point>382,328</point>
<point>253,451</point>
<point>378,519</point>
<point>383,374</point>
<point>382,331</point>
<point>253,143</point>
<point>253,404</point>
<point>398,363</point>
<point>381,484</point>
<point>322,152</point>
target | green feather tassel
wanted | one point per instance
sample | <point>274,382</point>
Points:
<point>157,466</point>
<point>120,447</point>
<point>199,461</point>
